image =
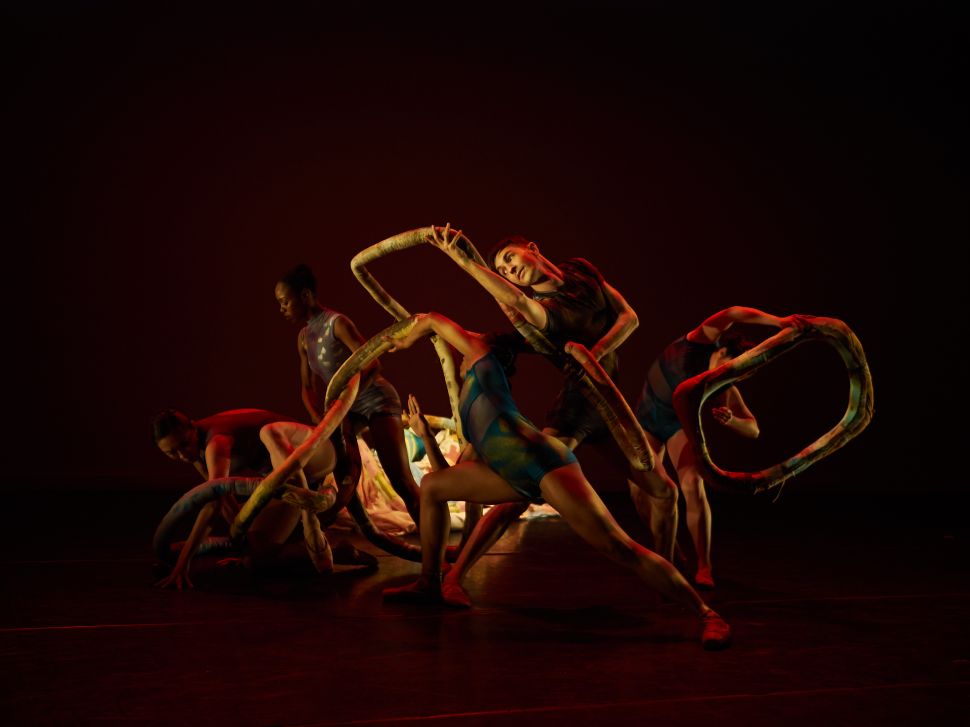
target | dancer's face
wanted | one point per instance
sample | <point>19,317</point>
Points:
<point>182,445</point>
<point>292,306</point>
<point>519,265</point>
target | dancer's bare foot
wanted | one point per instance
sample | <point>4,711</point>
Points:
<point>717,633</point>
<point>319,501</point>
<point>703,579</point>
<point>423,591</point>
<point>454,595</point>
<point>320,555</point>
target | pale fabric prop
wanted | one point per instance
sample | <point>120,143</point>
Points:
<point>384,506</point>
<point>690,396</point>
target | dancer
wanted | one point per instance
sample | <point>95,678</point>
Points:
<point>518,463</point>
<point>325,341</point>
<point>218,445</point>
<point>705,347</point>
<point>570,302</point>
<point>249,442</point>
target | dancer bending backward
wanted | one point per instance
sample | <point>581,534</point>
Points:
<point>243,443</point>
<point>518,463</point>
<point>706,347</point>
<point>570,302</point>
<point>327,339</point>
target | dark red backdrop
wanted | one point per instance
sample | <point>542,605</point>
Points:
<point>165,170</point>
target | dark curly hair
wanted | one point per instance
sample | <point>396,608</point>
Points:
<point>300,278</point>
<point>167,422</point>
<point>506,347</point>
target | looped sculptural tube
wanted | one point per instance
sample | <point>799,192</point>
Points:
<point>605,397</point>
<point>690,396</point>
<point>404,241</point>
<point>182,514</point>
<point>614,410</point>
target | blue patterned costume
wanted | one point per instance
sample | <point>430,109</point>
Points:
<point>503,438</point>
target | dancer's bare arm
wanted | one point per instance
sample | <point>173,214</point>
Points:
<point>498,287</point>
<point>467,343</point>
<point>710,329</point>
<point>179,576</point>
<point>311,401</point>
<point>277,439</point>
<point>419,425</point>
<point>217,458</point>
<point>734,414</point>
<point>625,324</point>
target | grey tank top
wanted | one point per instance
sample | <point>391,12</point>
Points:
<point>325,352</point>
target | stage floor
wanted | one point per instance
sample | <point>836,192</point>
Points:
<point>848,616</point>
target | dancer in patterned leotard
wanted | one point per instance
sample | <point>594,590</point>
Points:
<point>516,462</point>
<point>326,340</point>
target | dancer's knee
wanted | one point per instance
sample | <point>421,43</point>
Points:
<point>655,485</point>
<point>692,486</point>
<point>432,490</point>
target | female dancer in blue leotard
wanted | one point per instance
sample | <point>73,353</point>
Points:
<point>513,461</point>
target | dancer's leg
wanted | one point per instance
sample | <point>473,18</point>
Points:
<point>387,434</point>
<point>570,493</point>
<point>698,508</point>
<point>472,481</point>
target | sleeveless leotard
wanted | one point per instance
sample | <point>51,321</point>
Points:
<point>503,438</point>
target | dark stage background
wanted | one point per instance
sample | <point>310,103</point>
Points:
<point>165,169</point>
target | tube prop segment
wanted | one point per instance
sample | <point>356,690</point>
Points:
<point>614,409</point>
<point>691,395</point>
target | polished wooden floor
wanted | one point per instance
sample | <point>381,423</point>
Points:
<point>852,615</point>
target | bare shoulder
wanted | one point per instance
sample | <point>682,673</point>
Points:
<point>346,331</point>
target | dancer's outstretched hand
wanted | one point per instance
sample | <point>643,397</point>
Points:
<point>417,332</point>
<point>578,351</point>
<point>722,414</point>
<point>417,422</point>
<point>446,240</point>
<point>177,578</point>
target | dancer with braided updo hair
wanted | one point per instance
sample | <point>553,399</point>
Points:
<point>325,341</point>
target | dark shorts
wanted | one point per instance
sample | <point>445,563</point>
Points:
<point>657,418</point>
<point>378,399</point>
<point>573,415</point>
